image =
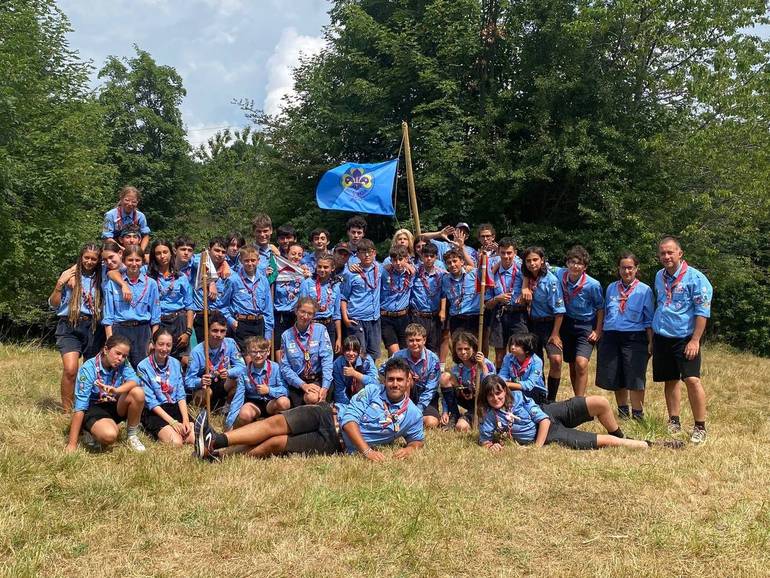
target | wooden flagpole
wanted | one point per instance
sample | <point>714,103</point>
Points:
<point>410,180</point>
<point>483,287</point>
<point>205,287</point>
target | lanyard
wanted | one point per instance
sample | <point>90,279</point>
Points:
<point>135,302</point>
<point>305,350</point>
<point>452,282</point>
<point>674,282</point>
<point>251,290</point>
<point>329,291</point>
<point>254,382</point>
<point>163,375</point>
<point>426,283</point>
<point>88,298</point>
<point>569,295</point>
<point>514,270</point>
<point>624,294</point>
<point>365,276</point>
<point>103,396</point>
<point>170,289</point>
<point>392,418</point>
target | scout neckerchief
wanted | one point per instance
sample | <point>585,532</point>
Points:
<point>405,284</point>
<point>119,224</point>
<point>519,368</point>
<point>426,282</point>
<point>103,395</point>
<point>88,298</point>
<point>329,292</point>
<point>423,361</point>
<point>569,295</point>
<point>163,376</point>
<point>135,302</point>
<point>459,300</point>
<point>467,391</point>
<point>514,270</point>
<point>170,289</point>
<point>532,283</point>
<point>219,360</point>
<point>365,276</point>
<point>669,287</point>
<point>251,290</point>
<point>257,382</point>
<point>392,418</point>
<point>507,416</point>
<point>304,349</point>
<point>291,294</point>
<point>624,293</point>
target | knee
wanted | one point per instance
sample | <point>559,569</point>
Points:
<point>581,363</point>
<point>69,372</point>
<point>106,436</point>
<point>247,414</point>
<point>598,403</point>
<point>462,425</point>
<point>693,383</point>
<point>429,422</point>
<point>282,404</point>
<point>444,380</point>
<point>136,395</point>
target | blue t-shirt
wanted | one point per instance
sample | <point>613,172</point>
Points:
<point>87,392</point>
<point>637,306</point>
<point>680,302</point>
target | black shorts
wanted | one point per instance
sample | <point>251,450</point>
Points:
<point>621,360</point>
<point>79,338</point>
<point>311,430</point>
<point>104,410</point>
<point>566,415</point>
<point>668,360</point>
<point>393,330</point>
<point>574,339</point>
<point>176,323</point>
<point>369,336</point>
<point>469,323</point>
<point>506,321</point>
<point>139,336</point>
<point>248,329</point>
<point>469,405</point>
<point>331,328</point>
<point>542,330</point>
<point>432,408</point>
<point>282,320</point>
<point>153,423</point>
<point>432,325</point>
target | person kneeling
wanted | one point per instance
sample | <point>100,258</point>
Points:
<point>509,415</point>
<point>377,415</point>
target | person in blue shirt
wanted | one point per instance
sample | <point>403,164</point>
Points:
<point>377,415</point>
<point>626,345</point>
<point>175,294</point>
<point>581,327</point>
<point>522,369</point>
<point>360,300</point>
<point>326,293</point>
<point>217,375</point>
<point>260,391</point>
<point>262,229</point>
<point>425,298</point>
<point>287,289</point>
<point>319,241</point>
<point>458,385</point>
<point>306,363</point>
<point>426,372</point>
<point>165,417</point>
<point>509,314</point>
<point>124,214</point>
<point>356,231</point>
<point>509,415</point>
<point>139,318</point>
<point>185,259</point>
<point>107,394</point>
<point>219,289</point>
<point>250,311</point>
<point>77,299</point>
<point>235,242</point>
<point>286,236</point>
<point>546,311</point>
<point>352,371</point>
<point>459,300</point>
<point>396,290</point>
<point>487,243</point>
<point>683,308</point>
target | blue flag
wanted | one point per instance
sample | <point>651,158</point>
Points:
<point>359,187</point>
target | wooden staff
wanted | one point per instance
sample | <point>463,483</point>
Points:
<point>481,335</point>
<point>410,180</point>
<point>205,285</point>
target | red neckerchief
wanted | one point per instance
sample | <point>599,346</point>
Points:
<point>670,288</point>
<point>404,285</point>
<point>254,382</point>
<point>365,276</point>
<point>251,290</point>
<point>532,284</point>
<point>88,298</point>
<point>221,360</point>
<point>120,218</point>
<point>103,396</point>
<point>165,385</point>
<point>522,368</point>
<point>514,270</point>
<point>419,378</point>
<point>135,302</point>
<point>329,291</point>
<point>305,350</point>
<point>426,282</point>
<point>296,282</point>
<point>624,294</point>
<point>170,287</point>
<point>392,418</point>
<point>458,302</point>
<point>569,295</point>
<point>471,385</point>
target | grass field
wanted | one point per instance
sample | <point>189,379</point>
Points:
<point>452,510</point>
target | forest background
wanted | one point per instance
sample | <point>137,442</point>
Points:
<point>608,123</point>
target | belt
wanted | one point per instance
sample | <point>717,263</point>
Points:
<point>465,316</point>
<point>244,317</point>
<point>324,320</point>
<point>425,314</point>
<point>543,319</point>
<point>83,318</point>
<point>133,323</point>
<point>399,313</point>
<point>170,316</point>
<point>513,308</point>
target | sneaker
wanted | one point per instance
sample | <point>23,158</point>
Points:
<point>204,436</point>
<point>135,444</point>
<point>637,415</point>
<point>624,411</point>
<point>674,427</point>
<point>669,444</point>
<point>698,436</point>
<point>90,442</point>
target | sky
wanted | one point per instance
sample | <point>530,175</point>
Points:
<point>223,49</point>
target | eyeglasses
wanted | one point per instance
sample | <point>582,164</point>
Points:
<point>259,351</point>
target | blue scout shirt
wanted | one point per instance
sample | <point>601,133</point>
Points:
<point>528,375</point>
<point>86,390</point>
<point>381,422</point>
<point>287,294</point>
<point>547,299</point>
<point>637,303</point>
<point>246,389</point>
<point>361,291</point>
<point>396,290</point>
<point>294,344</point>
<point>251,296</point>
<point>234,263</point>
<point>222,302</point>
<point>425,373</point>
<point>520,421</point>
<point>690,297</point>
<point>460,293</point>
<point>581,303</point>
<point>426,290</point>
<point>364,364</point>
<point>466,376</point>
<point>175,293</point>
<point>190,270</point>
<point>161,384</point>
<point>115,220</point>
<point>509,281</point>
<point>145,305</point>
<point>327,295</point>
<point>87,297</point>
<point>226,356</point>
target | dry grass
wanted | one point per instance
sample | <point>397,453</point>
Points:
<point>454,510</point>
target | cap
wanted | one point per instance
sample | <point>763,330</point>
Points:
<point>342,247</point>
<point>463,226</point>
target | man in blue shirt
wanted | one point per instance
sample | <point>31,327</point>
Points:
<point>377,415</point>
<point>509,315</point>
<point>394,299</point>
<point>425,299</point>
<point>360,300</point>
<point>250,310</point>
<point>683,308</point>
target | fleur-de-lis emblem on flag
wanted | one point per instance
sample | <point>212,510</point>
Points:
<point>357,182</point>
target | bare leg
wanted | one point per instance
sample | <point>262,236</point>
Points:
<point>249,412</point>
<point>621,397</point>
<point>673,397</point>
<point>168,435</point>
<point>257,432</point>
<point>579,369</point>
<point>105,431</point>
<point>607,441</point>
<point>278,405</point>
<point>131,405</point>
<point>499,355</point>
<point>697,396</point>
<point>554,366</point>
<point>392,349</point>
<point>429,422</point>
<point>599,408</point>
<point>70,362</point>
<point>637,399</point>
<point>274,446</point>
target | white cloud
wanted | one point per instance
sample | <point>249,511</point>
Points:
<point>280,65</point>
<point>198,134</point>
<point>225,7</point>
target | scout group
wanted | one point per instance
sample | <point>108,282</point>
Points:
<point>131,306</point>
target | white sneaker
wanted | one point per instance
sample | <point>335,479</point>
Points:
<point>135,444</point>
<point>698,436</point>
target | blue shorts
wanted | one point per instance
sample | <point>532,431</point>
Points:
<point>574,339</point>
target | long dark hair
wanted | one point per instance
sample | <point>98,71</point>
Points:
<point>153,270</point>
<point>76,299</point>
<point>537,251</point>
<point>490,384</point>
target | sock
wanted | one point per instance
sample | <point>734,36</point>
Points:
<point>673,418</point>
<point>553,387</point>
<point>700,425</point>
<point>624,410</point>
<point>649,443</point>
<point>618,433</point>
<point>132,430</point>
<point>219,441</point>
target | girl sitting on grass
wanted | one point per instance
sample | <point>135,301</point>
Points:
<point>522,368</point>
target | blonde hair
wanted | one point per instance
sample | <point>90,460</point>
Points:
<point>408,234</point>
